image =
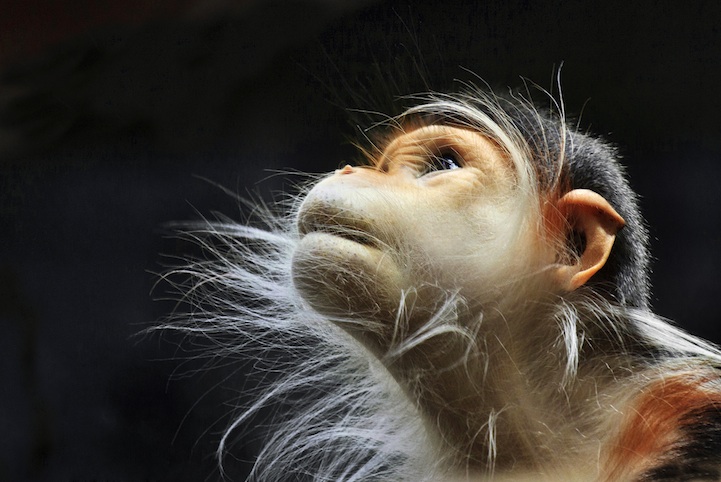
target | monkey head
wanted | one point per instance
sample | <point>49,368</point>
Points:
<point>445,211</point>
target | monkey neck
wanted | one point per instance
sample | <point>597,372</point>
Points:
<point>509,402</point>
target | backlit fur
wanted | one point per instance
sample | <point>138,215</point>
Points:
<point>582,386</point>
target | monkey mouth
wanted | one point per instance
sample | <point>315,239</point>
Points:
<point>343,227</point>
<point>351,235</point>
<point>344,232</point>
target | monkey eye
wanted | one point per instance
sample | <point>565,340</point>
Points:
<point>442,162</point>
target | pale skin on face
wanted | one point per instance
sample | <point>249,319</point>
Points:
<point>372,236</point>
<point>373,233</point>
<point>417,221</point>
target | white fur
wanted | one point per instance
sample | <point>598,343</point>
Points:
<point>353,421</point>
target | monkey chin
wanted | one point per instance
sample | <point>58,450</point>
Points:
<point>346,279</point>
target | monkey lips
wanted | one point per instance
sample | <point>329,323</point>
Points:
<point>338,254</point>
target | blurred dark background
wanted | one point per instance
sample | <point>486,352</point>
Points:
<point>111,113</point>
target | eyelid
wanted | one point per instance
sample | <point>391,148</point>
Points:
<point>421,153</point>
<point>451,154</point>
<point>443,158</point>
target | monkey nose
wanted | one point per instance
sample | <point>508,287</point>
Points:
<point>347,169</point>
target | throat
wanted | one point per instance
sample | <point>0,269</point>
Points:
<point>496,404</point>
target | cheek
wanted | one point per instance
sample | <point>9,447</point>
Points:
<point>471,184</point>
<point>472,247</point>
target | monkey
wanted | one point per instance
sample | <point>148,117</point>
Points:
<point>470,302</point>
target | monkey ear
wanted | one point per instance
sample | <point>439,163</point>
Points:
<point>592,217</point>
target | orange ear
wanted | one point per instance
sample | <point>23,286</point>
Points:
<point>589,214</point>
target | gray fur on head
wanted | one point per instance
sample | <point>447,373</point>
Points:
<point>591,164</point>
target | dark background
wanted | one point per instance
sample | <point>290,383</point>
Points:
<point>111,112</point>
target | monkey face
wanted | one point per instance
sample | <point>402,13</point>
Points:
<point>441,212</point>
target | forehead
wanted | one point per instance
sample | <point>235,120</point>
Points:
<point>474,148</point>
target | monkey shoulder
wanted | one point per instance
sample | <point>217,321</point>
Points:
<point>672,429</point>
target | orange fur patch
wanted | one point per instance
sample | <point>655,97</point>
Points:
<point>652,430</point>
